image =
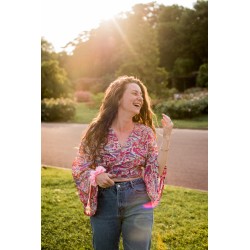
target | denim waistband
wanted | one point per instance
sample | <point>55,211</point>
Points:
<point>126,184</point>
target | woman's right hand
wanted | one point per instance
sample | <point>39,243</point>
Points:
<point>104,180</point>
<point>167,125</point>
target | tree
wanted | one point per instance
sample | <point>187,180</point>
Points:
<point>55,83</point>
<point>151,42</point>
<point>47,51</point>
<point>54,80</point>
<point>97,54</point>
<point>202,77</point>
<point>194,33</point>
<point>170,44</point>
<point>183,33</point>
<point>139,51</point>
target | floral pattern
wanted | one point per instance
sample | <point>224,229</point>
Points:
<point>126,162</point>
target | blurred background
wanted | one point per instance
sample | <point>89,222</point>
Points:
<point>166,46</point>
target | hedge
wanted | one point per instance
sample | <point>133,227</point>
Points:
<point>184,108</point>
<point>60,109</point>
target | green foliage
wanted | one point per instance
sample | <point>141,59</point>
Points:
<point>202,78</point>
<point>97,100</point>
<point>183,66</point>
<point>163,94</point>
<point>152,42</point>
<point>180,220</point>
<point>47,51</point>
<point>169,37</point>
<point>85,114</point>
<point>60,109</point>
<point>183,33</point>
<point>184,108</point>
<point>55,83</point>
<point>194,91</point>
<point>140,53</point>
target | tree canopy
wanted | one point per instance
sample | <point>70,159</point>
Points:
<point>153,42</point>
<point>54,79</point>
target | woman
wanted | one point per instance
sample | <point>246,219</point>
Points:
<point>118,171</point>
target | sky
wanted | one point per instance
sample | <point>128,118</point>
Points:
<point>63,20</point>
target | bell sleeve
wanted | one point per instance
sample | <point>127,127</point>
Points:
<point>81,171</point>
<point>154,182</point>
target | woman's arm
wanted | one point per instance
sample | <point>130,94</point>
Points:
<point>167,126</point>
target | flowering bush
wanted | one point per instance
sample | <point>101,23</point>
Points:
<point>60,109</point>
<point>186,105</point>
<point>83,96</point>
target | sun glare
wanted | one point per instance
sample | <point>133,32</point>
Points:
<point>64,20</point>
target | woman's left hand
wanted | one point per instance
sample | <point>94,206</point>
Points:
<point>167,125</point>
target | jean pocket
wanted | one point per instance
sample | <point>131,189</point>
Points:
<point>140,188</point>
<point>107,192</point>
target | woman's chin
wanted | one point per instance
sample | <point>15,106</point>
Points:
<point>137,112</point>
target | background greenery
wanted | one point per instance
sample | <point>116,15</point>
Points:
<point>181,219</point>
<point>85,113</point>
<point>164,46</point>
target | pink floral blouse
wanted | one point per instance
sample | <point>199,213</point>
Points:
<point>127,161</point>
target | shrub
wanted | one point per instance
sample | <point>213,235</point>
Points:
<point>97,100</point>
<point>60,109</point>
<point>194,90</point>
<point>202,77</point>
<point>83,96</point>
<point>184,108</point>
<point>54,81</point>
<point>166,94</point>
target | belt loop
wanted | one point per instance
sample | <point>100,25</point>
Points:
<point>132,184</point>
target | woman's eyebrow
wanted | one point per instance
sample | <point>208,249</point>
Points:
<point>137,91</point>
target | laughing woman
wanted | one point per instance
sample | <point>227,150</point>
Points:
<point>118,171</point>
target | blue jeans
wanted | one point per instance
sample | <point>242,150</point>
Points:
<point>120,210</point>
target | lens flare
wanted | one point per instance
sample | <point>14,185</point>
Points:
<point>151,204</point>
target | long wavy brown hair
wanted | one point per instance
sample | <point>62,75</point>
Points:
<point>95,136</point>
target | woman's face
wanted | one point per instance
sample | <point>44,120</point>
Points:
<point>132,99</point>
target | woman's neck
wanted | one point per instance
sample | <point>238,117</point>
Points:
<point>123,123</point>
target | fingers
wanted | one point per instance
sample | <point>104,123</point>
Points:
<point>166,120</point>
<point>163,122</point>
<point>167,125</point>
<point>111,175</point>
<point>107,183</point>
<point>104,180</point>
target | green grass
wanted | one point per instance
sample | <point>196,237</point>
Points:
<point>85,114</point>
<point>181,219</point>
<point>200,122</point>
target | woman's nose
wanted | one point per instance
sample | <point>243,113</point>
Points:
<point>140,98</point>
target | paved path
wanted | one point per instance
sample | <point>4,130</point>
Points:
<point>187,162</point>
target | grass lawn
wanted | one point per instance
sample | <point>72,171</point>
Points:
<point>84,115</point>
<point>200,122</point>
<point>181,219</point>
